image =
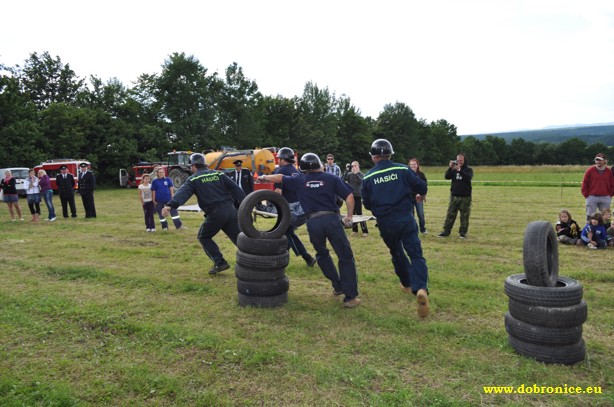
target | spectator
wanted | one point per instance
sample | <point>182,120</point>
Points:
<point>45,185</point>
<point>598,186</point>
<point>460,196</point>
<point>243,177</point>
<point>146,199</point>
<point>87,185</point>
<point>66,187</point>
<point>9,194</point>
<point>162,191</point>
<point>354,179</point>
<point>567,229</point>
<point>414,164</point>
<point>594,235</point>
<point>34,195</point>
<point>331,167</point>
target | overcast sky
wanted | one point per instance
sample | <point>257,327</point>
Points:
<point>485,66</point>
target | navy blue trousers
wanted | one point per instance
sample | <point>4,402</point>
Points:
<point>222,217</point>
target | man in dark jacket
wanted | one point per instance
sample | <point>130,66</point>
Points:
<point>66,185</point>
<point>87,184</point>
<point>243,177</point>
<point>460,196</point>
<point>216,194</point>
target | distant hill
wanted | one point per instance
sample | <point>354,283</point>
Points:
<point>590,134</point>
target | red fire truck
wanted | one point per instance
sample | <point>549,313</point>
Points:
<point>52,168</point>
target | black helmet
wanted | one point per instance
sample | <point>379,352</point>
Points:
<point>381,147</point>
<point>310,161</point>
<point>286,153</point>
<point>197,159</point>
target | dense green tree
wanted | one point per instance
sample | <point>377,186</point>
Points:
<point>316,124</point>
<point>397,124</point>
<point>47,80</point>
<point>574,151</point>
<point>443,142</point>
<point>279,121</point>
<point>353,134</point>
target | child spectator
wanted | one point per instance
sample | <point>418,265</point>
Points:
<point>567,229</point>
<point>594,234</point>
<point>147,202</point>
<point>607,224</point>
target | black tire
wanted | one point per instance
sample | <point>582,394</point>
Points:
<point>255,262</point>
<point>542,335</point>
<point>263,302</point>
<point>566,293</point>
<point>246,274</point>
<point>564,354</point>
<point>550,317</point>
<point>262,247</point>
<point>263,288</point>
<point>178,177</point>
<point>540,254</point>
<point>246,222</point>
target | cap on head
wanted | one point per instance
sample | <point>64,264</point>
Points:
<point>238,163</point>
<point>381,147</point>
<point>286,153</point>
<point>310,162</point>
<point>63,167</point>
<point>600,157</point>
<point>83,165</point>
<point>197,159</point>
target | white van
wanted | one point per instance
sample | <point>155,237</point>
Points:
<point>20,174</point>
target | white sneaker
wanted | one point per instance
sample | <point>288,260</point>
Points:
<point>592,246</point>
<point>52,219</point>
<point>147,230</point>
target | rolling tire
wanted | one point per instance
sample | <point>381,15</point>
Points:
<point>263,302</point>
<point>541,335</point>
<point>567,292</point>
<point>540,254</point>
<point>564,354</point>
<point>263,288</point>
<point>246,222</point>
<point>263,247</point>
<point>263,263</point>
<point>550,317</point>
<point>246,274</point>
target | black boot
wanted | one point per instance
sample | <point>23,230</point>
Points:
<point>309,260</point>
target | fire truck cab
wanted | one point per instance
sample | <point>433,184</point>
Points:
<point>52,168</point>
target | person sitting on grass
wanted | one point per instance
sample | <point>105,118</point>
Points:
<point>567,229</point>
<point>607,224</point>
<point>594,234</point>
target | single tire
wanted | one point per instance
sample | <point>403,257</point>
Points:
<point>550,317</point>
<point>567,292</point>
<point>255,262</point>
<point>246,274</point>
<point>262,247</point>
<point>564,354</point>
<point>540,254</point>
<point>246,222</point>
<point>263,288</point>
<point>541,335</point>
<point>263,302</point>
<point>178,177</point>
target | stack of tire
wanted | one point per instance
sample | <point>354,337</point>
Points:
<point>546,311</point>
<point>262,255</point>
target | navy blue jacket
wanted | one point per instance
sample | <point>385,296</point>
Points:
<point>212,188</point>
<point>389,189</point>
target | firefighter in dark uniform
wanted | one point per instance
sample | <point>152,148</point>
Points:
<point>66,187</point>
<point>388,192</point>
<point>243,177</point>
<point>317,192</point>
<point>87,185</point>
<point>216,194</point>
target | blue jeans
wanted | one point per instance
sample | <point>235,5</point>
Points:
<point>330,227</point>
<point>400,233</point>
<point>48,197</point>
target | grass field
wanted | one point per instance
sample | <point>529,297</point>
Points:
<point>98,312</point>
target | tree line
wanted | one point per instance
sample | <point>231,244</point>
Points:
<point>47,111</point>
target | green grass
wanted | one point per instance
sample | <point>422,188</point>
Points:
<point>98,312</point>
